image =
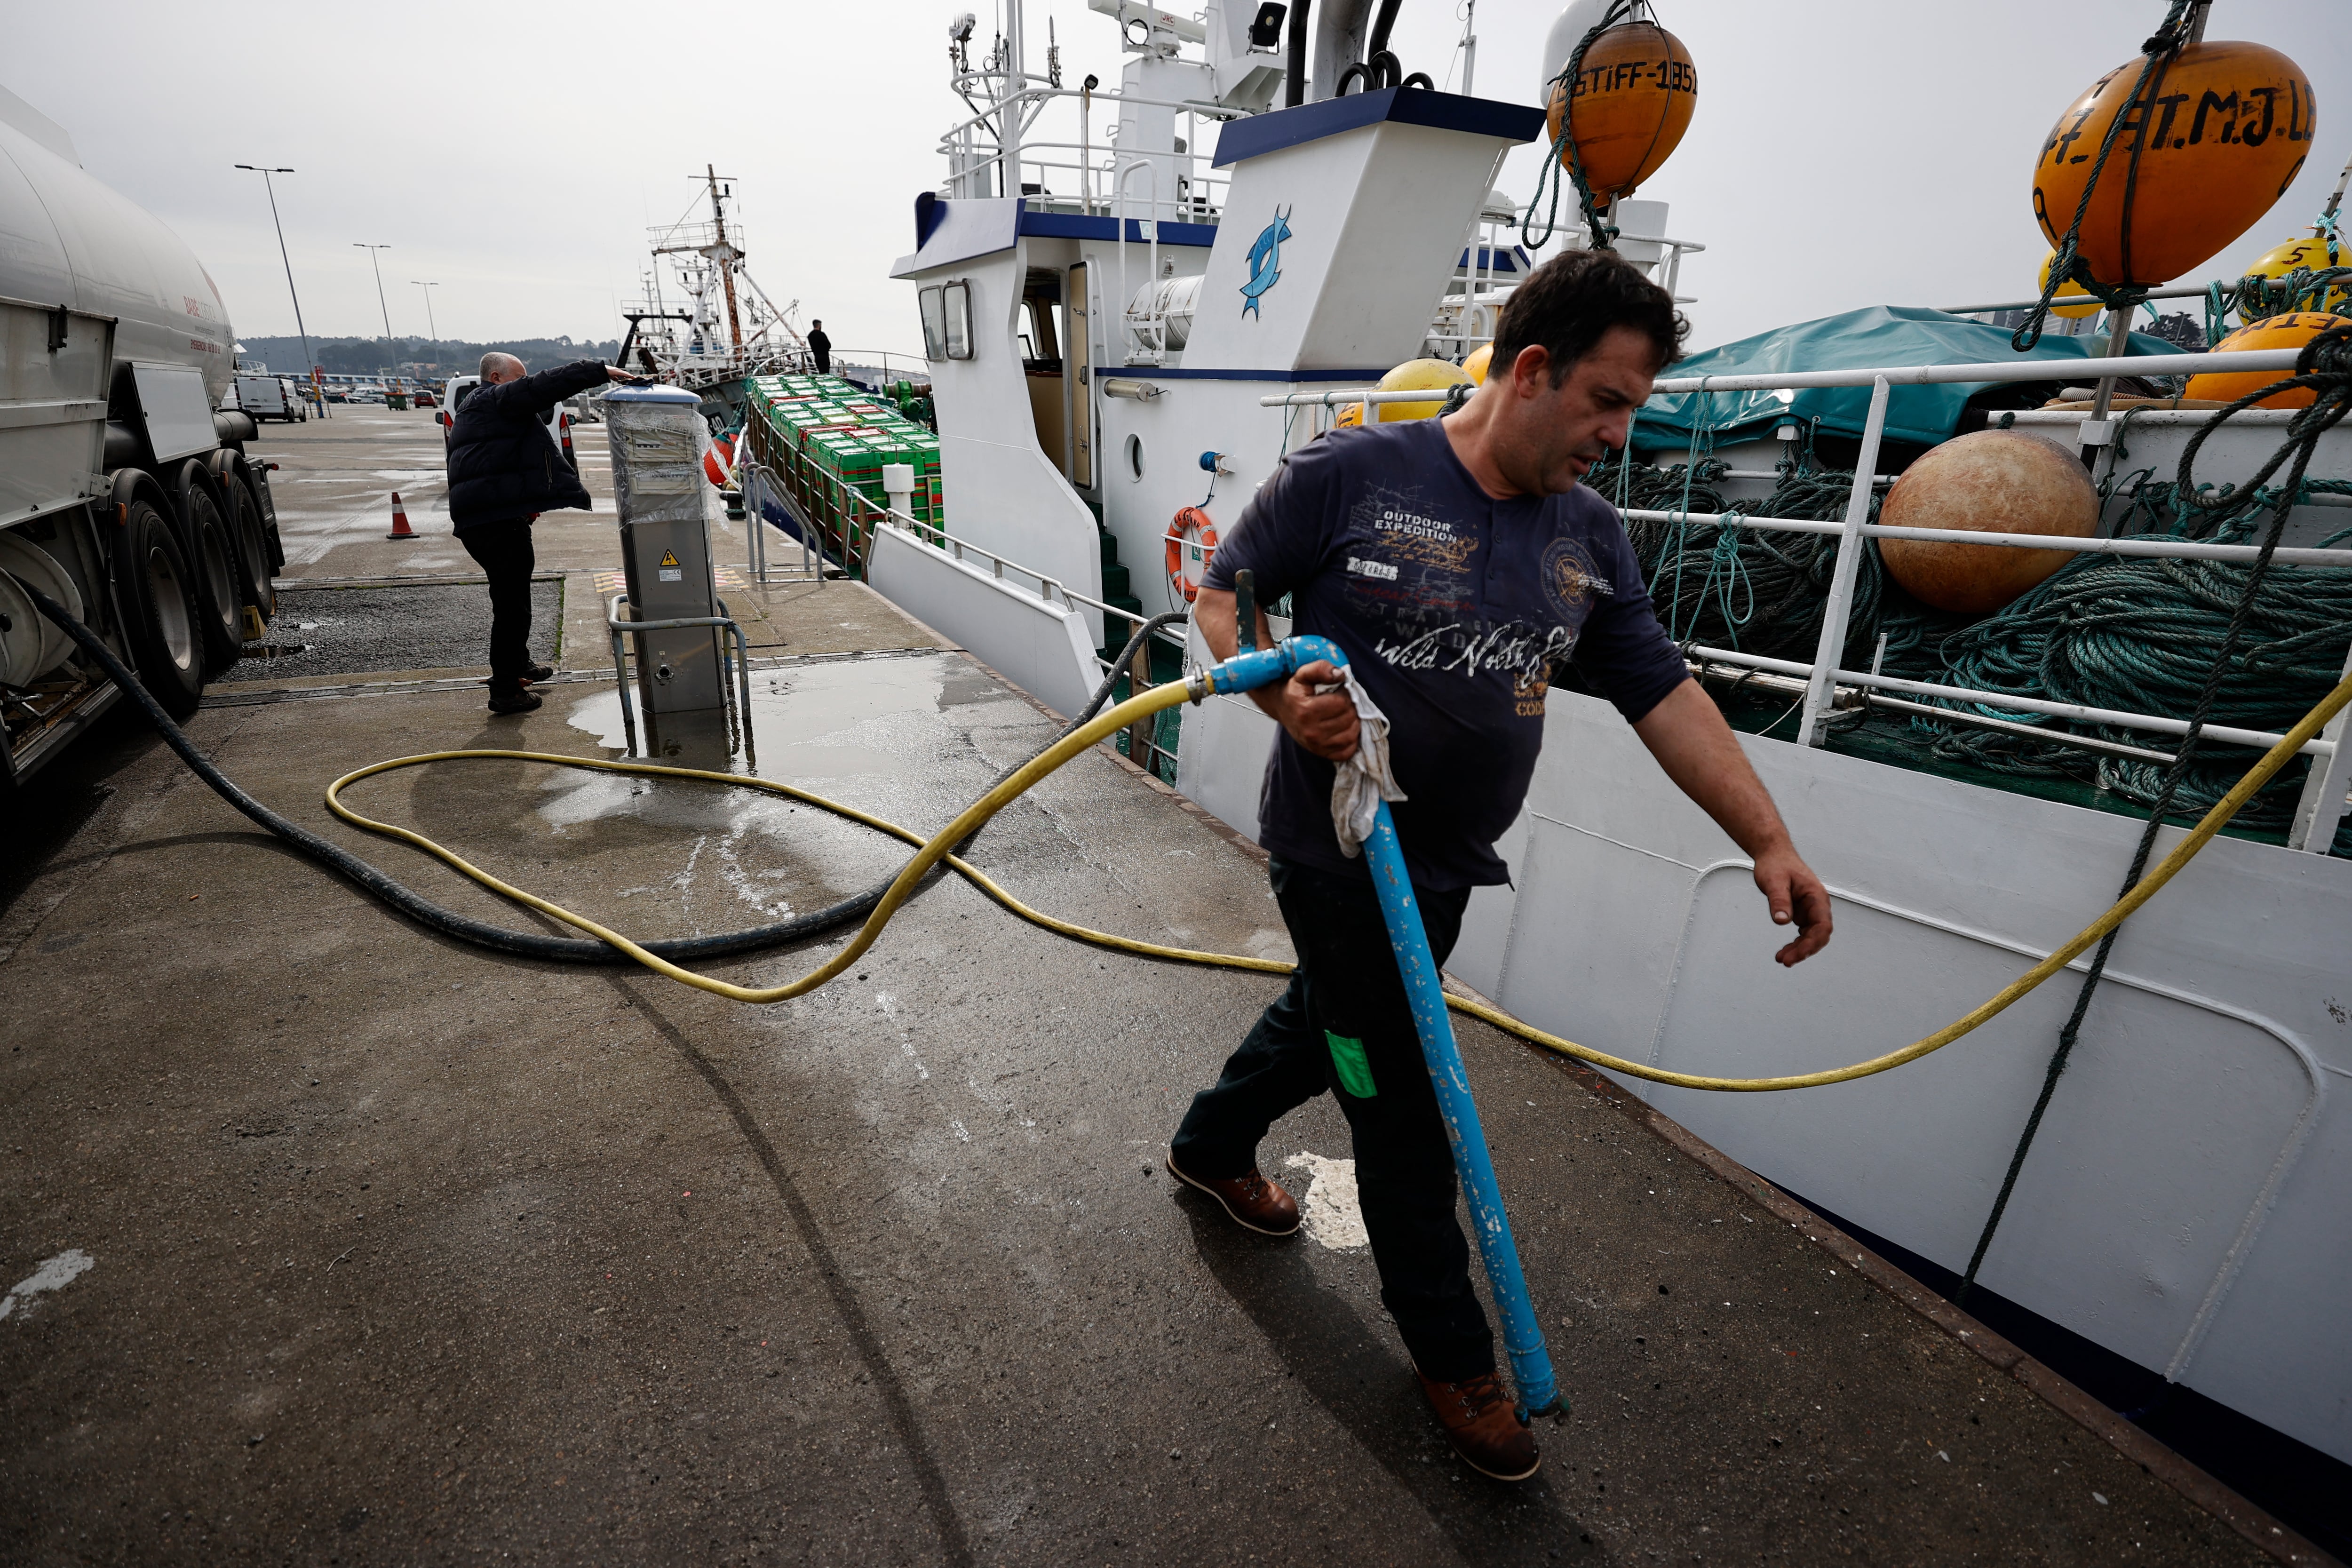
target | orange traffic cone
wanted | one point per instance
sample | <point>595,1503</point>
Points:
<point>400,529</point>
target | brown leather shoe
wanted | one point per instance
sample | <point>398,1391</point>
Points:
<point>1254,1202</point>
<point>1483,1425</point>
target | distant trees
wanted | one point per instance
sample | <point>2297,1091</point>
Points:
<point>366,356</point>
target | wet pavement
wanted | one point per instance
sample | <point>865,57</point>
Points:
<point>340,1242</point>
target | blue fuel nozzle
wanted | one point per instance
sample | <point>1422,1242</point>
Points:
<point>1249,670</point>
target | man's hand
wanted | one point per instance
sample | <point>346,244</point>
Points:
<point>1686,733</point>
<point>1323,722</point>
<point>615,373</point>
<point>1794,894</point>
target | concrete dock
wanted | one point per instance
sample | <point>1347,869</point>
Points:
<point>378,1249</point>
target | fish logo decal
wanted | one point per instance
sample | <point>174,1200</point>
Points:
<point>1265,261</point>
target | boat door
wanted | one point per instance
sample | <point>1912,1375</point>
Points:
<point>1077,348</point>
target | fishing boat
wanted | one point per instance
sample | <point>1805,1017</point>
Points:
<point>1136,301</point>
<point>703,321</point>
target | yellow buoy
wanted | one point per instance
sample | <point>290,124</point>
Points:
<point>2067,290</point>
<point>1628,107</point>
<point>2271,333</point>
<point>1350,416</point>
<point>2000,482</point>
<point>1475,367</point>
<point>1419,376</point>
<point>2225,131</point>
<point>2312,253</point>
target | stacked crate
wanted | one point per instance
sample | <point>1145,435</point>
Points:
<point>829,441</point>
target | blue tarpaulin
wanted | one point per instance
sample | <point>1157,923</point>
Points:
<point>1879,336</point>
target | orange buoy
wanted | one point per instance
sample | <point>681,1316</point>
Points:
<point>1629,106</point>
<point>1997,481</point>
<point>1192,541</point>
<point>2270,333</point>
<point>2224,132</point>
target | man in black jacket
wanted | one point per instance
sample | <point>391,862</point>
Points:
<point>504,468</point>
<point>822,347</point>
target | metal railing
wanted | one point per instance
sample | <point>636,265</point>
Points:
<point>1140,736</point>
<point>736,703</point>
<point>2323,802</point>
<point>846,360</point>
<point>758,482</point>
<point>1193,187</point>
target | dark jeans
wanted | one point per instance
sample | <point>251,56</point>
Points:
<point>1344,1025</point>
<point>503,551</point>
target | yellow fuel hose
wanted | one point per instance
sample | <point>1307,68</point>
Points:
<point>935,850</point>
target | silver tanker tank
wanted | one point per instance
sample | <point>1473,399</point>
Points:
<point>67,240</point>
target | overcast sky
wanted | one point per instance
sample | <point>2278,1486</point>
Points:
<point>1843,153</point>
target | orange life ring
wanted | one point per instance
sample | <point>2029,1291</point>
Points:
<point>1192,541</point>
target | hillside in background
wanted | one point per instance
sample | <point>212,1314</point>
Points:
<point>366,356</point>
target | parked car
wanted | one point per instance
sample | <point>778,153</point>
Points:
<point>366,395</point>
<point>421,398</point>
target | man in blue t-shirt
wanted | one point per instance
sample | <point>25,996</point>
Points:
<point>1461,565</point>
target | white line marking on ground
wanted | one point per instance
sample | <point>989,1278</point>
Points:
<point>56,1274</point>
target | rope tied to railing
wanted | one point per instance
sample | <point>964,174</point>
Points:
<point>2066,264</point>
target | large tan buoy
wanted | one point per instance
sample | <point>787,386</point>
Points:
<point>2227,128</point>
<point>1628,107</point>
<point>1998,481</point>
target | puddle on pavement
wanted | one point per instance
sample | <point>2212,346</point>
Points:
<point>870,733</point>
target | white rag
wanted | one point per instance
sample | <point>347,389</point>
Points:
<point>1363,781</point>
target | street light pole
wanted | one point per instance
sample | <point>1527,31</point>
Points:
<point>372,250</point>
<point>429,325</point>
<point>299,327</point>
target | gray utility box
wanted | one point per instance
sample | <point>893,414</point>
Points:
<point>658,437</point>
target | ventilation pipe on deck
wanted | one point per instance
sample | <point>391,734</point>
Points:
<point>1294,75</point>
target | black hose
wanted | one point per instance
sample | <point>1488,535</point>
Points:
<point>1387,71</point>
<point>1358,71</point>
<point>499,939</point>
<point>1381,25</point>
<point>1420,79</point>
<point>1294,75</point>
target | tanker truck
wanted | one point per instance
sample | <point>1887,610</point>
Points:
<point>125,490</point>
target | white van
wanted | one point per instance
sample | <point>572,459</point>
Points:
<point>269,397</point>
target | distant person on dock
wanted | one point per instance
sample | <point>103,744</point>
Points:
<point>504,468</point>
<point>1464,570</point>
<point>822,347</point>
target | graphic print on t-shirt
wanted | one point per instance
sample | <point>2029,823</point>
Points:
<point>1457,612</point>
<point>1408,570</point>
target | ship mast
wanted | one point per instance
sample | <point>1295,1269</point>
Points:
<point>725,255</point>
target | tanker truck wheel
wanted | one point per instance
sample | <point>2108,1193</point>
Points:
<point>253,577</point>
<point>219,621</point>
<point>165,643</point>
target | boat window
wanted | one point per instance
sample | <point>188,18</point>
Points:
<point>935,330</point>
<point>1038,346</point>
<point>1134,457</point>
<point>955,300</point>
